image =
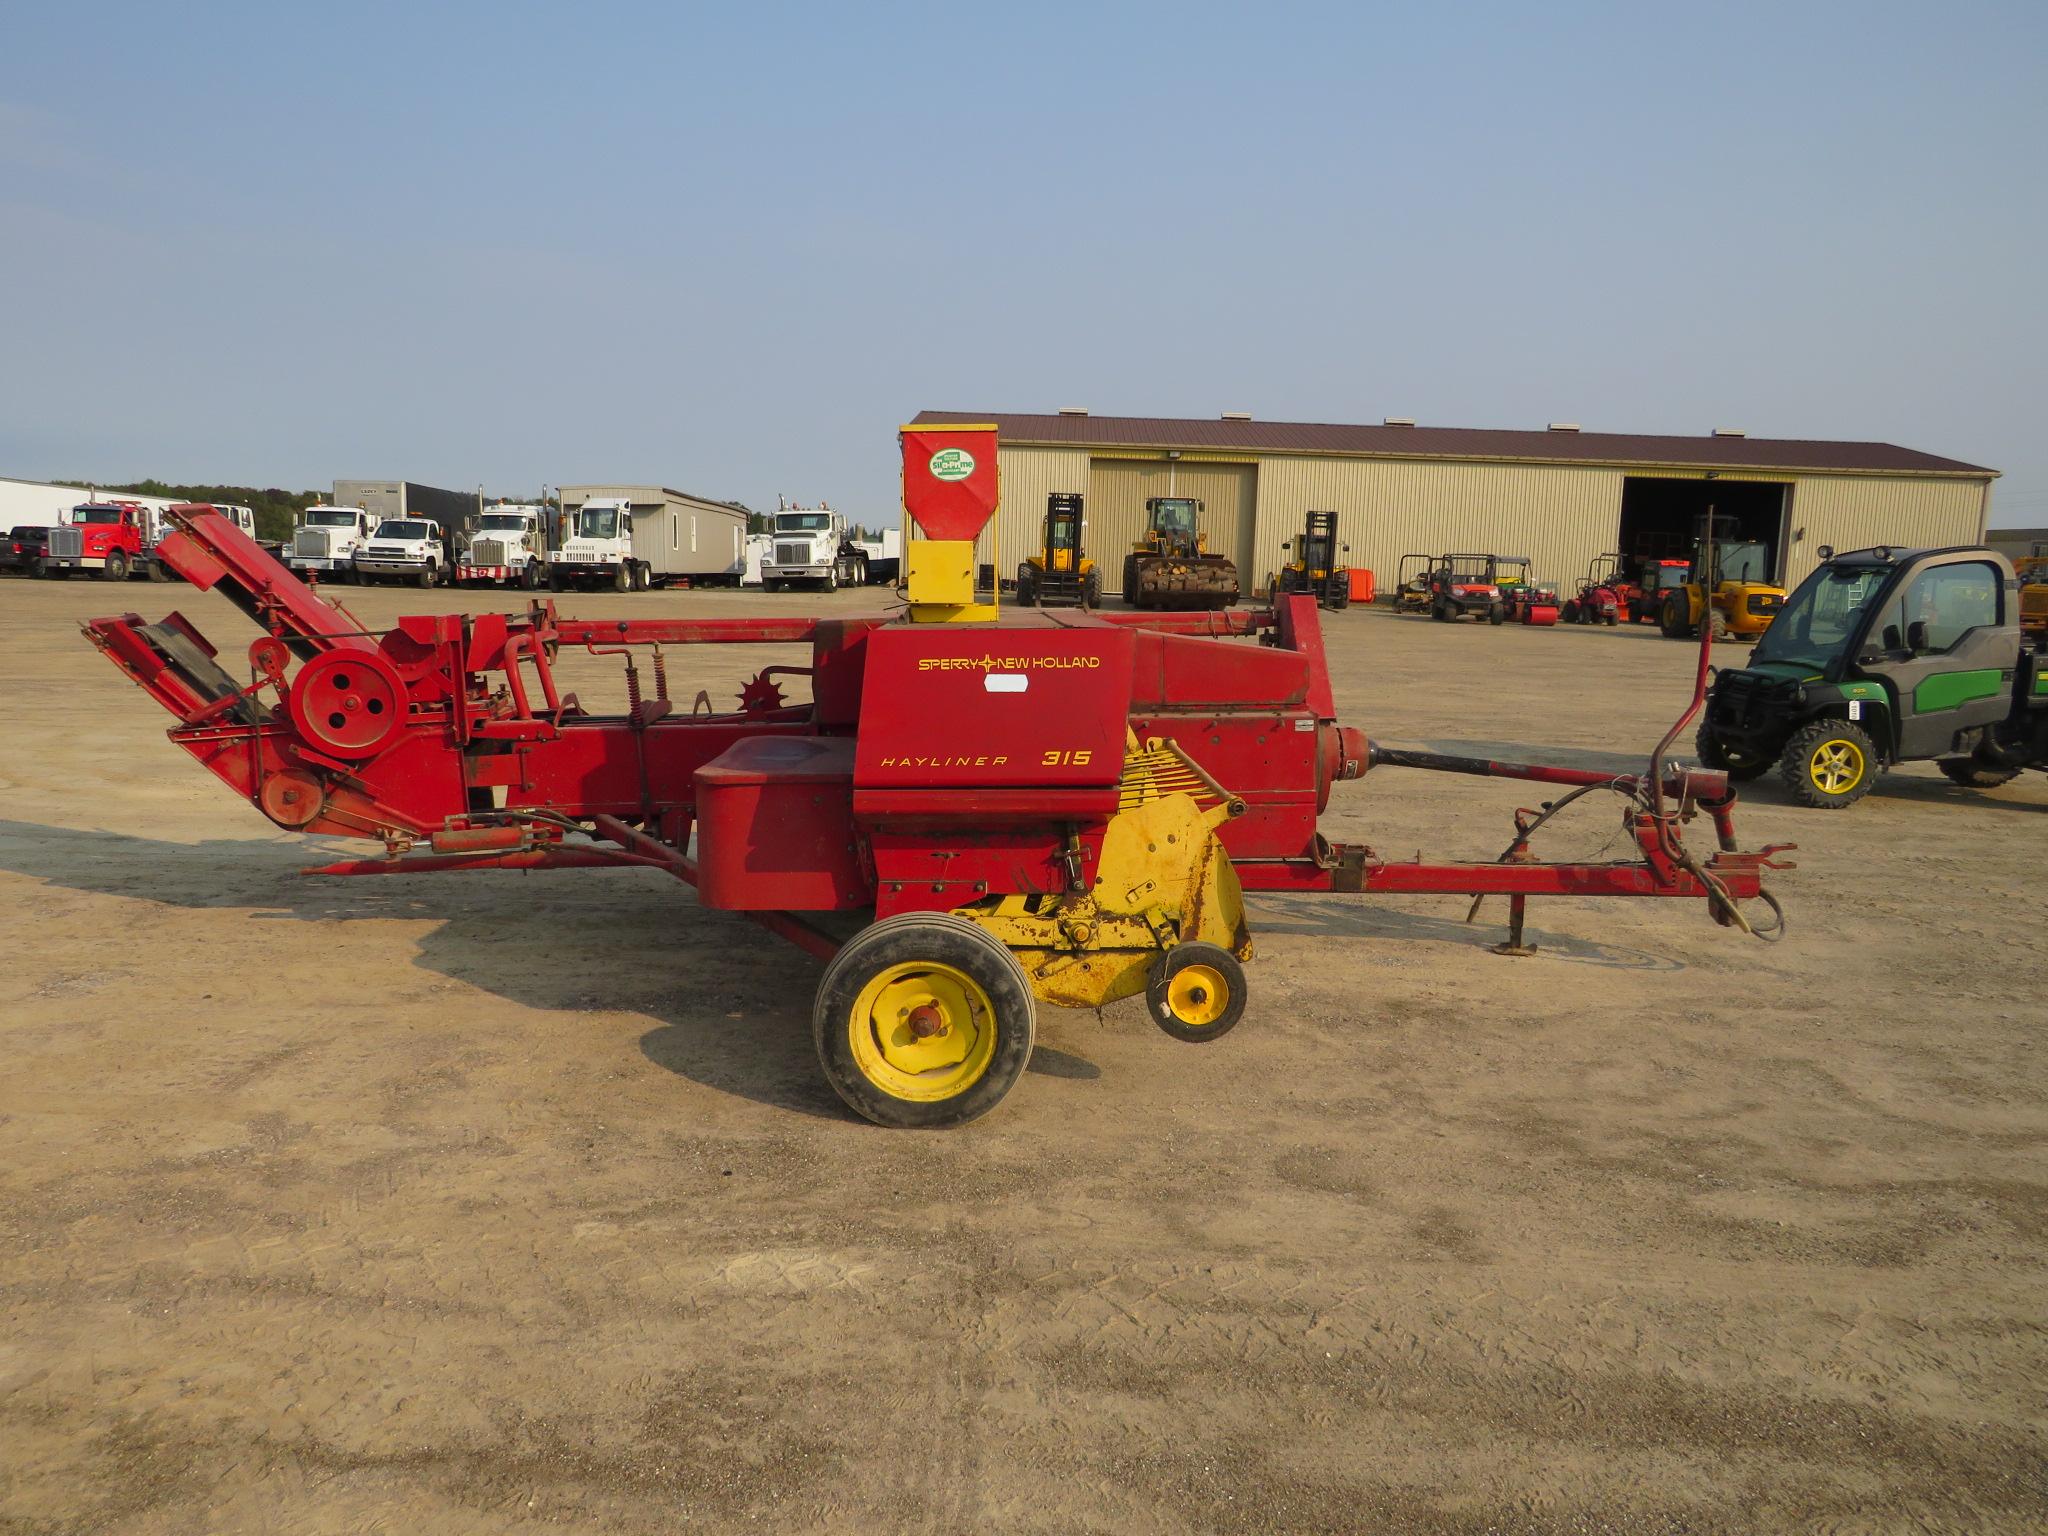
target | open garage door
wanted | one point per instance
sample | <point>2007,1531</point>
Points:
<point>1660,518</point>
<point>1117,492</point>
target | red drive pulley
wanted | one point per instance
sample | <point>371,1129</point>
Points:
<point>348,703</point>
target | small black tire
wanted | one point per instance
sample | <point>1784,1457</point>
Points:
<point>1196,992</point>
<point>1974,773</point>
<point>1495,614</point>
<point>910,950</point>
<point>1570,612</point>
<point>1829,764</point>
<point>1715,753</point>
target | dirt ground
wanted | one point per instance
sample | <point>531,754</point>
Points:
<point>487,1203</point>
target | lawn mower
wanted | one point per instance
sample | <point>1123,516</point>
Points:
<point>975,812</point>
<point>1523,599</point>
<point>1411,583</point>
<point>1600,599</point>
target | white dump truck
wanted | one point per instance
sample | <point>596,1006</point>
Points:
<point>326,540</point>
<point>812,548</point>
<point>632,537</point>
<point>509,547</point>
<point>413,549</point>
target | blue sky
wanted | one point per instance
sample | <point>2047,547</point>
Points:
<point>731,248</point>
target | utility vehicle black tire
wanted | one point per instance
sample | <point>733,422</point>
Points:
<point>1495,614</point>
<point>1853,765</point>
<point>904,950</point>
<point>1196,992</point>
<point>1714,753</point>
<point>1972,774</point>
<point>1440,611</point>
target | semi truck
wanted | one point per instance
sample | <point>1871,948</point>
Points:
<point>633,537</point>
<point>325,542</point>
<point>509,547</point>
<point>813,548</point>
<point>118,539</point>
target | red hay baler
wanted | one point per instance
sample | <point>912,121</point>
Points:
<point>973,813</point>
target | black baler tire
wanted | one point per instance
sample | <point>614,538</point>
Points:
<point>1179,958</point>
<point>910,937</point>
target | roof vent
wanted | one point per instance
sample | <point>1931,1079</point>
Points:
<point>1073,410</point>
<point>1729,432</point>
<point>1398,421</point>
<point>1237,415</point>
<point>1564,426</point>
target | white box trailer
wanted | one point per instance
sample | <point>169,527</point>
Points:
<point>631,537</point>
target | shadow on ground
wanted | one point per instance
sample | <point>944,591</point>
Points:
<point>733,1003</point>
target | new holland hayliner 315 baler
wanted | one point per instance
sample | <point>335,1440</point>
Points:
<point>973,814</point>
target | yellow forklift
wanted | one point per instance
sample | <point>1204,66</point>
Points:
<point>1060,574</point>
<point>1313,567</point>
<point>1730,590</point>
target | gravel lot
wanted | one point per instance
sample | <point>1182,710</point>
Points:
<point>482,1203</point>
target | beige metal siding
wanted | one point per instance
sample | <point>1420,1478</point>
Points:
<point>1560,517</point>
<point>1119,488</point>
<point>1857,511</point>
<point>1029,475</point>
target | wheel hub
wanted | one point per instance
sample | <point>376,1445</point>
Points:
<point>924,1023</point>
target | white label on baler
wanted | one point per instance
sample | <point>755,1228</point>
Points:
<point>1005,682</point>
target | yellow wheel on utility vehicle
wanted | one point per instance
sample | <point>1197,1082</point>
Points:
<point>1836,766</point>
<point>1196,992</point>
<point>1828,764</point>
<point>923,1019</point>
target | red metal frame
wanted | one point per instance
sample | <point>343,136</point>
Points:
<point>489,765</point>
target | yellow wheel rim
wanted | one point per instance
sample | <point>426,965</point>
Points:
<point>1198,995</point>
<point>922,1031</point>
<point>1836,767</point>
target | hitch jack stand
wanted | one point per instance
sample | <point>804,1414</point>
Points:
<point>1518,907</point>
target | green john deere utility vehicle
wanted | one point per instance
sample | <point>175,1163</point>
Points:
<point>1886,656</point>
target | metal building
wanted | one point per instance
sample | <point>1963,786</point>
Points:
<point>1560,496</point>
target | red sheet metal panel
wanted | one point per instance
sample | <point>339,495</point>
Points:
<point>775,827</point>
<point>949,478</point>
<point>968,707</point>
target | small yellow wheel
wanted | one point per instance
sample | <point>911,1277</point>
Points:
<point>1196,992</point>
<point>923,1020</point>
